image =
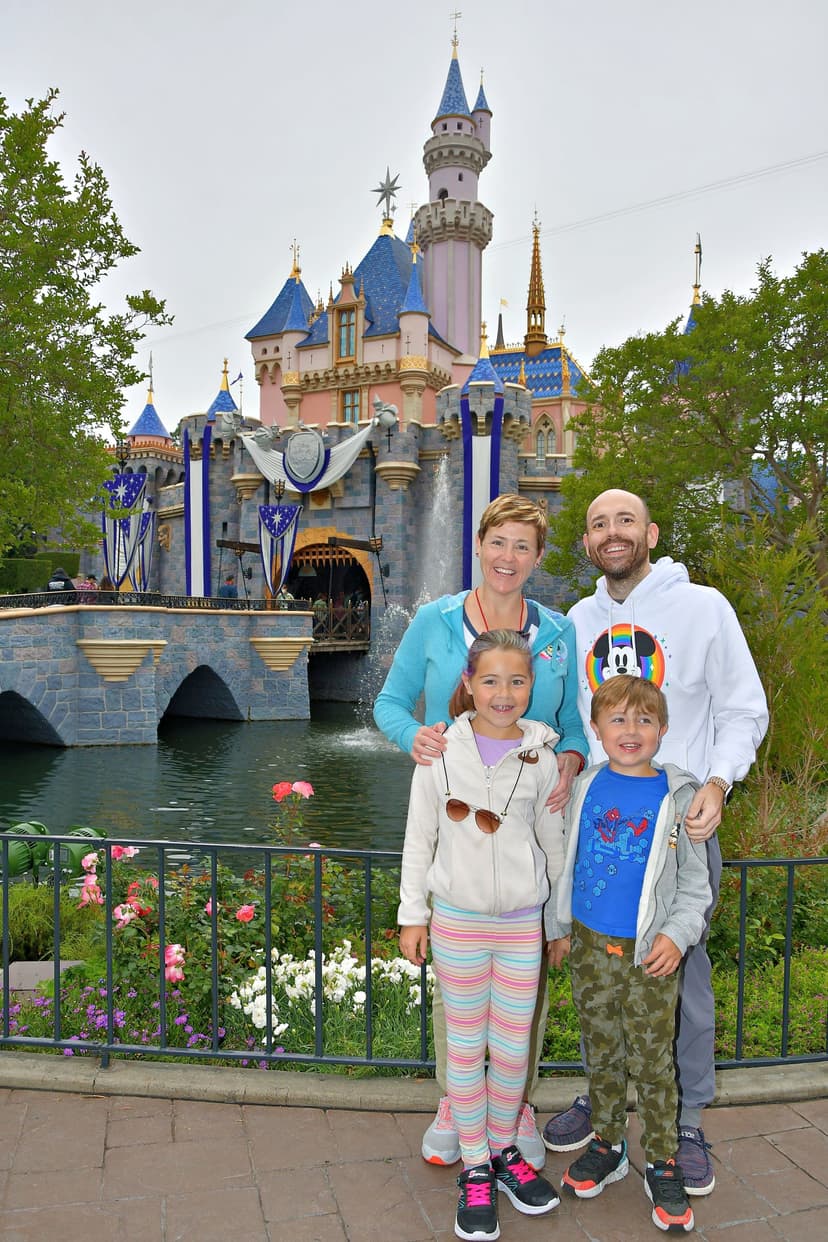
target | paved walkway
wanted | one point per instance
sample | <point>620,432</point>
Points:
<point>78,1163</point>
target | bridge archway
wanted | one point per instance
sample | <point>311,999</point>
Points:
<point>203,695</point>
<point>20,721</point>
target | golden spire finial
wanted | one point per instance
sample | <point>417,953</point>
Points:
<point>484,344</point>
<point>522,373</point>
<point>455,16</point>
<point>697,282</point>
<point>296,270</point>
<point>149,393</point>
<point>224,381</point>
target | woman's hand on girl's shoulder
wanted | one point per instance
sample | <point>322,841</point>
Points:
<point>429,743</point>
<point>414,943</point>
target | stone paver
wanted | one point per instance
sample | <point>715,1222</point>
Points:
<point>124,1169</point>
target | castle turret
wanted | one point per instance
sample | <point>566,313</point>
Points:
<point>454,228</point>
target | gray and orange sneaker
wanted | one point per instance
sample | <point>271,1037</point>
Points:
<point>664,1185</point>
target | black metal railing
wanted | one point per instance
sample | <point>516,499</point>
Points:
<point>365,867</point>
<point>149,599</point>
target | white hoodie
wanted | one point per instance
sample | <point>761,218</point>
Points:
<point>687,639</point>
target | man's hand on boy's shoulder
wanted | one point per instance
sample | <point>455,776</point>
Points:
<point>664,957</point>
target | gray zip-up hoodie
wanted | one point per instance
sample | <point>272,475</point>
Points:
<point>676,890</point>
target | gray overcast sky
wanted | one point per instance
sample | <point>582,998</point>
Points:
<point>226,129</point>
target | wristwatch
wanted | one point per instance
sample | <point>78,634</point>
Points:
<point>720,783</point>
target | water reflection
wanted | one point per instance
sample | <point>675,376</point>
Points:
<point>212,780</point>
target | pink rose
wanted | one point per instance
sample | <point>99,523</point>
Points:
<point>208,909</point>
<point>173,962</point>
<point>303,788</point>
<point>281,791</point>
<point>89,862</point>
<point>124,914</point>
<point>123,851</point>
<point>245,913</point>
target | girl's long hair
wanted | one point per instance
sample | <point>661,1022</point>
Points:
<point>493,640</point>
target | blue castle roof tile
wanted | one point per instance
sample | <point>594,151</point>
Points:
<point>543,372</point>
<point>223,404</point>
<point>413,302</point>
<point>483,373</point>
<point>149,424</point>
<point>454,102</point>
<point>384,275</point>
<point>480,104</point>
<point>275,319</point>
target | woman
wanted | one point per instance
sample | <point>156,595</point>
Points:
<point>429,661</point>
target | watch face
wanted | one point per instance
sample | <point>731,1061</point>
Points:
<point>304,455</point>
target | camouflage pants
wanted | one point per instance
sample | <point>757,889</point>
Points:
<point>628,1023</point>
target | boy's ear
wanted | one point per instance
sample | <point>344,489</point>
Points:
<point>662,731</point>
<point>594,728</point>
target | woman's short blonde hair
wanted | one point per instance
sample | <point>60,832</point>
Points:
<point>512,508</point>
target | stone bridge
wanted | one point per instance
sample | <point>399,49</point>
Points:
<point>98,675</point>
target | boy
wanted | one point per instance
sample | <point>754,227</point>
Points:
<point>633,894</point>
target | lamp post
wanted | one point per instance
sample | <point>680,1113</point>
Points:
<point>122,448</point>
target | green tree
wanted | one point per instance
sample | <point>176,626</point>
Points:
<point>64,360</point>
<point>713,426</point>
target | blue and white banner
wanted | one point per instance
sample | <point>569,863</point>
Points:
<point>278,525</point>
<point>481,480</point>
<point>121,524</point>
<point>142,563</point>
<point>197,575</point>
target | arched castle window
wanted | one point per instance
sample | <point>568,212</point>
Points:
<point>546,438</point>
<point>540,446</point>
<point>442,195</point>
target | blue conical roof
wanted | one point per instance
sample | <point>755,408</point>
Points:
<point>223,402</point>
<point>484,373</point>
<point>297,317</point>
<point>148,423</point>
<point>413,303</point>
<point>291,296</point>
<point>454,102</point>
<point>480,104</point>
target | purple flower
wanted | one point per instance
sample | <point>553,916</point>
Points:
<point>181,1019</point>
<point>67,1052</point>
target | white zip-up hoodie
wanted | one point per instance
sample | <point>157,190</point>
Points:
<point>687,639</point>
<point>508,870</point>
<point>675,892</point>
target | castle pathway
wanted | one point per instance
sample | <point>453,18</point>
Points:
<point>95,1155</point>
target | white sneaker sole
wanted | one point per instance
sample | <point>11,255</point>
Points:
<point>525,1208</point>
<point>568,1146</point>
<point>477,1236</point>
<point>445,1158</point>
<point>659,1224</point>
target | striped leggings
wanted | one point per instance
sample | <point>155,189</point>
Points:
<point>487,967</point>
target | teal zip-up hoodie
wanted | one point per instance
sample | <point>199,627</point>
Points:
<point>433,654</point>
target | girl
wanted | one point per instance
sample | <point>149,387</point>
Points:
<point>480,844</point>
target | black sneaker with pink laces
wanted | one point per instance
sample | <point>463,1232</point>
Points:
<point>528,1192</point>
<point>476,1219</point>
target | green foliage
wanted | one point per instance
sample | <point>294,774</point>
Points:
<point>762,1018</point>
<point>675,416</point>
<point>32,924</point>
<point>782,609</point>
<point>21,574</point>
<point>766,904</point>
<point>63,360</point>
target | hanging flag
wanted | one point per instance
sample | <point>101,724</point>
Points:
<point>197,516</point>
<point>236,380</point>
<point>278,525</point>
<point>121,524</point>
<point>142,563</point>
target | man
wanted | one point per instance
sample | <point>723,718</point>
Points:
<point>649,620</point>
<point>228,588</point>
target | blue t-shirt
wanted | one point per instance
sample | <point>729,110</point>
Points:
<point>616,833</point>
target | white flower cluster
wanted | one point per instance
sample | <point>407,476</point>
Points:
<point>343,982</point>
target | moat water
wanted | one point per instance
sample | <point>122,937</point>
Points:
<point>212,781</point>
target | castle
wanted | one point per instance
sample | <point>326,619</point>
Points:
<point>403,331</point>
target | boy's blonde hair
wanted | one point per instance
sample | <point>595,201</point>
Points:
<point>492,640</point>
<point>511,508</point>
<point>626,691</point>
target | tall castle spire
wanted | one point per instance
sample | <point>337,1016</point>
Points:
<point>454,228</point>
<point>535,339</point>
